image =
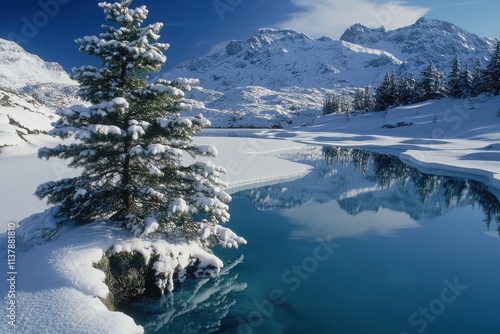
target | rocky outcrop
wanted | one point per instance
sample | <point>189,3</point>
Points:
<point>128,277</point>
<point>132,275</point>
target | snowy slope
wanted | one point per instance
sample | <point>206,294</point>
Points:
<point>284,58</point>
<point>30,91</point>
<point>23,120</point>
<point>426,40</point>
<point>278,78</point>
<point>452,137</point>
<point>19,68</point>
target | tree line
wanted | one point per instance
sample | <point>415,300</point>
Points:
<point>395,91</point>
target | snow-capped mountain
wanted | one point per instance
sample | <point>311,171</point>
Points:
<point>280,77</point>
<point>426,40</point>
<point>19,68</point>
<point>30,91</point>
<point>24,72</point>
<point>284,58</point>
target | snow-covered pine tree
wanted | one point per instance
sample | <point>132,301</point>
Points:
<point>345,104</point>
<point>477,79</point>
<point>386,94</point>
<point>358,101</point>
<point>466,83</point>
<point>381,98</point>
<point>433,85</point>
<point>129,142</point>
<point>368,99</point>
<point>362,100</point>
<point>331,104</point>
<point>492,72</point>
<point>454,89</point>
<point>441,91</point>
<point>393,91</point>
<point>407,87</point>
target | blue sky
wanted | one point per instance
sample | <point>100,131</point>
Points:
<point>48,28</point>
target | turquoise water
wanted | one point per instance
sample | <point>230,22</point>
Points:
<point>363,244</point>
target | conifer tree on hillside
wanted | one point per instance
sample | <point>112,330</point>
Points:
<point>331,104</point>
<point>386,94</point>
<point>130,140</point>
<point>345,104</point>
<point>454,89</point>
<point>433,84</point>
<point>335,104</point>
<point>492,72</point>
<point>358,102</point>
<point>477,79</point>
<point>407,89</point>
<point>368,106</point>
<point>466,83</point>
<point>362,100</point>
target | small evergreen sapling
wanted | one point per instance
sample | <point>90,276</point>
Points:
<point>130,140</point>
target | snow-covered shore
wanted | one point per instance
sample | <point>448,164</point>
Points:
<point>453,137</point>
<point>56,285</point>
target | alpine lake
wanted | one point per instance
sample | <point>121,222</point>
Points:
<point>364,244</point>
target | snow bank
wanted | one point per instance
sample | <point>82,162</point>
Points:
<point>453,137</point>
<point>252,162</point>
<point>58,288</point>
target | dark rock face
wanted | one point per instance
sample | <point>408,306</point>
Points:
<point>128,277</point>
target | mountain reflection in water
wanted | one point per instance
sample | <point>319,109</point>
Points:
<point>360,181</point>
<point>358,198</point>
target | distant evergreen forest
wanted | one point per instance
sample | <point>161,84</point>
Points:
<point>395,91</point>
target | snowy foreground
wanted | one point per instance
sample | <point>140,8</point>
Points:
<point>56,286</point>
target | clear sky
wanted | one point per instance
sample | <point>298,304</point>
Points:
<point>48,28</point>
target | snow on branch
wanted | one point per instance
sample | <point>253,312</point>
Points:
<point>224,236</point>
<point>171,258</point>
<point>187,121</point>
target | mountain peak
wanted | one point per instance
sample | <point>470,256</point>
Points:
<point>19,68</point>
<point>6,45</point>
<point>425,40</point>
<point>437,24</point>
<point>362,35</point>
<point>267,36</point>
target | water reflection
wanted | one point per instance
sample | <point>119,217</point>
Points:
<point>350,194</point>
<point>196,306</point>
<point>368,192</point>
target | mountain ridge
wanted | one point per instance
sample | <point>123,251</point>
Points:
<point>276,77</point>
<point>426,39</point>
<point>280,77</point>
<point>19,68</point>
<point>30,91</point>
